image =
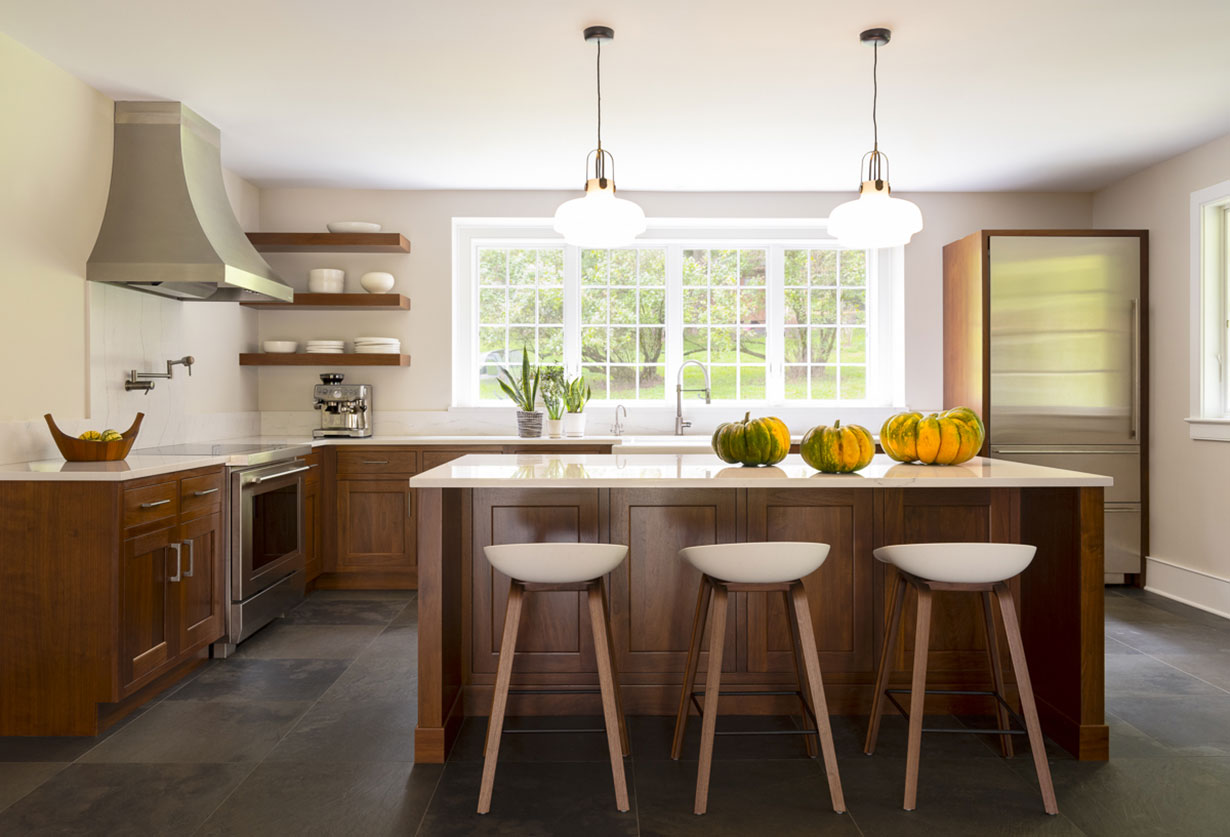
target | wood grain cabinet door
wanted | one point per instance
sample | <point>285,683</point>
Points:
<point>375,525</point>
<point>311,529</point>
<point>200,593</point>
<point>653,593</point>
<point>147,630</point>
<point>839,594</point>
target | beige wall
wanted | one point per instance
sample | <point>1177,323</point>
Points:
<point>70,342</point>
<point>425,274</point>
<point>1188,523</point>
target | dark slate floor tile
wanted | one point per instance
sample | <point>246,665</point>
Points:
<point>1115,647</point>
<point>532,799</point>
<point>650,737</point>
<point>1191,725</point>
<point>314,611</point>
<point>352,731</point>
<point>1141,674</point>
<point>556,747</point>
<point>240,678</point>
<point>402,596</point>
<point>123,799</point>
<point>19,778</point>
<point>1213,668</point>
<point>1184,613</point>
<point>323,798</point>
<point>1020,743</point>
<point>373,678</point>
<point>45,748</point>
<point>850,733</point>
<point>1126,797</point>
<point>397,640</point>
<point>201,731</point>
<point>976,797</point>
<point>778,797</point>
<point>1128,742</point>
<point>1162,638</point>
<point>409,614</point>
<point>308,642</point>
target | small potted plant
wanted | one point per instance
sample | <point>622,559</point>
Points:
<point>553,400</point>
<point>576,396</point>
<point>523,392</point>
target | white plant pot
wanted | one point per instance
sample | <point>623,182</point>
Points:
<point>555,428</point>
<point>574,424</point>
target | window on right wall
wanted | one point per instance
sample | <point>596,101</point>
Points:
<point>1210,301</point>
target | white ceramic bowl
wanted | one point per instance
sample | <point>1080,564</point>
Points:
<point>377,282</point>
<point>326,280</point>
<point>280,347</point>
<point>353,227</point>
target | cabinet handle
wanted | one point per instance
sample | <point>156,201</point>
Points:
<point>375,462</point>
<point>179,558</point>
<point>155,503</point>
<point>205,492</point>
<point>191,558</point>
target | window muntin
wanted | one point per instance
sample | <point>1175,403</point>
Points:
<point>623,323</point>
<point>725,298</point>
<point>520,303</point>
<point>825,328</point>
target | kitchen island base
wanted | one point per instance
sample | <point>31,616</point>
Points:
<point>462,599</point>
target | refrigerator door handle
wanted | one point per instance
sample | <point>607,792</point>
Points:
<point>1135,430</point>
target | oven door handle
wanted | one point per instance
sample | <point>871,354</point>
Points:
<point>259,480</point>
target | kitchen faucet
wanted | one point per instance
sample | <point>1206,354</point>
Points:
<point>617,428</point>
<point>141,380</point>
<point>679,391</point>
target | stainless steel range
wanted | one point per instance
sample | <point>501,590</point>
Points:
<point>264,509</point>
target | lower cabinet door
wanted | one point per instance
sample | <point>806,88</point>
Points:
<point>311,529</point>
<point>147,630</point>
<point>375,526</point>
<point>200,593</point>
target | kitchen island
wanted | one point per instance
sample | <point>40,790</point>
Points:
<point>657,504</point>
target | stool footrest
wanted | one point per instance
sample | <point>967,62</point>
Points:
<point>905,713</point>
<point>761,693</point>
<point>550,731</point>
<point>555,691</point>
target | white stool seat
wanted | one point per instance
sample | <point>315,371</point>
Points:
<point>555,563</point>
<point>773,562</point>
<point>959,563</point>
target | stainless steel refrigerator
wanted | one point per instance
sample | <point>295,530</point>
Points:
<point>1065,364</point>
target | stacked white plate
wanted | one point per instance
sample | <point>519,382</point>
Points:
<point>326,347</point>
<point>377,345</point>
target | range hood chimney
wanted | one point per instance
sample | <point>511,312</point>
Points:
<point>169,228</point>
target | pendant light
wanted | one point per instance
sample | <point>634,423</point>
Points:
<point>599,220</point>
<point>875,218</point>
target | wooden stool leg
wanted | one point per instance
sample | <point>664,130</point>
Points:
<point>1028,708</point>
<point>619,700</point>
<point>918,695</point>
<point>801,674</point>
<point>997,671</point>
<point>499,699</point>
<point>811,662</point>
<point>606,681</point>
<point>689,674</point>
<point>886,664</point>
<point>713,683</point>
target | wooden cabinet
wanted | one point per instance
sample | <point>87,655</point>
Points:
<point>199,595</point>
<point>146,632</point>
<point>313,522</point>
<point>375,525</point>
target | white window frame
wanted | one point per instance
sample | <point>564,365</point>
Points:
<point>885,301</point>
<point>1210,313</point>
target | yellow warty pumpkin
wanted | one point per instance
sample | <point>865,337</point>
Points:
<point>945,438</point>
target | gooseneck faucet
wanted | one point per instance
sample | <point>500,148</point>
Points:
<point>680,424</point>
<point>618,428</point>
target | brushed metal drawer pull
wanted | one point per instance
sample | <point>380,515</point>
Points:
<point>179,560</point>
<point>374,462</point>
<point>155,503</point>
<point>191,558</point>
<point>203,493</point>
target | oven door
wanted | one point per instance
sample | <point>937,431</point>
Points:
<point>267,526</point>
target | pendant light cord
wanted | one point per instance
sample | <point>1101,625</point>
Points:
<point>601,167</point>
<point>875,99</point>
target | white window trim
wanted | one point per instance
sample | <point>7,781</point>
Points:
<point>886,295</point>
<point>1210,314</point>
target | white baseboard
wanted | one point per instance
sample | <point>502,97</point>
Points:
<point>1191,587</point>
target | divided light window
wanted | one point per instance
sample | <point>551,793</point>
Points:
<point>776,322</point>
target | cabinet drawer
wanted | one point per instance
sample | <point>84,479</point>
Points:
<point>200,495</point>
<point>153,502</point>
<point>377,462</point>
<point>434,458</point>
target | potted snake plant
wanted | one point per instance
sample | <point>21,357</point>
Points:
<point>523,392</point>
<point>553,400</point>
<point>576,396</point>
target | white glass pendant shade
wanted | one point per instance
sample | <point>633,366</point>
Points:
<point>875,219</point>
<point>599,220</point>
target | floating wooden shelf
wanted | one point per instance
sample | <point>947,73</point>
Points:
<point>304,359</point>
<point>338,302</point>
<point>289,242</point>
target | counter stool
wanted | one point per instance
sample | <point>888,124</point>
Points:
<point>755,568</point>
<point>982,568</point>
<point>542,567</point>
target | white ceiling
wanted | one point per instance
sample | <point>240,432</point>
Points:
<point>699,95</point>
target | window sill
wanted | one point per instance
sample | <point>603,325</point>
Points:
<point>1209,429</point>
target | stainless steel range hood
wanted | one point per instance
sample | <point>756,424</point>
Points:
<point>169,228</point>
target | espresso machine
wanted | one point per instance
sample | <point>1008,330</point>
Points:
<point>345,409</point>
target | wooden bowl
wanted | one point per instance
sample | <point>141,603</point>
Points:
<point>80,450</point>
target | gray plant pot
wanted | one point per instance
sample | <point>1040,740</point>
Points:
<point>529,425</point>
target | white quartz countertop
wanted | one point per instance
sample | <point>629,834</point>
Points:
<point>619,470</point>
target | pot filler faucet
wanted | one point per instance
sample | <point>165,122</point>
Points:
<point>679,391</point>
<point>140,380</point>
